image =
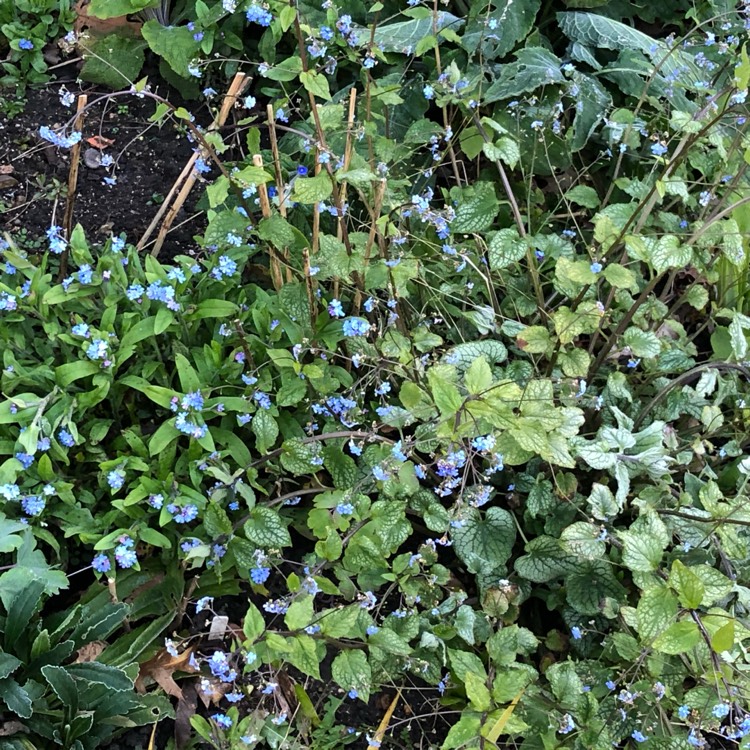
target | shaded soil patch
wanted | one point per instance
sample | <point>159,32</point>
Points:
<point>146,161</point>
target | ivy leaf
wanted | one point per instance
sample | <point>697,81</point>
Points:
<point>463,355</point>
<point>300,458</point>
<point>300,613</point>
<point>266,529</point>
<point>277,230</point>
<point>715,584</point>
<point>303,655</point>
<point>351,671</point>
<point>583,195</point>
<point>484,543</point>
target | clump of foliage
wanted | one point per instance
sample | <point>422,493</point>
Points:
<point>453,391</point>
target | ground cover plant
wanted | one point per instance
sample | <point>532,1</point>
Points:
<point>433,434</point>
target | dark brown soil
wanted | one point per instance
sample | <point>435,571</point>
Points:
<point>147,159</point>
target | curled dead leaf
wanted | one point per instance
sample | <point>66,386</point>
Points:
<point>99,141</point>
<point>161,668</point>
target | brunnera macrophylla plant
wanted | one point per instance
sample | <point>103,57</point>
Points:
<point>452,389</point>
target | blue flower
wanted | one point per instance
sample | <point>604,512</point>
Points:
<point>257,14</point>
<point>566,724</point>
<point>25,459</point>
<point>61,141</point>
<point>115,479</point>
<point>720,710</point>
<point>125,557</point>
<point>356,327</point>
<point>335,309</point>
<point>222,720</point>
<point>182,514</point>
<point>576,633</point>
<point>326,33</point>
<point>101,563</point>
<point>192,400</point>
<point>301,170</point>
<point>659,149</point>
<point>638,736</point>
<point>25,44</point>
<point>97,349</point>
<point>260,574</point>
<point>596,267</point>
<point>66,438</point>
<point>428,92</point>
<point>610,685</point>
<point>683,712</point>
<point>81,329</point>
<point>344,509</point>
<point>85,274</point>
<point>33,505</point>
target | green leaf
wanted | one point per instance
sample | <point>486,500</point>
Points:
<point>64,687</point>
<point>303,655</point>
<point>506,247</point>
<point>583,195</point>
<point>253,625</point>
<point>462,355</point>
<point>723,638</point>
<point>113,61</point>
<point>534,67</point>
<point>477,692</point>
<point>342,468</point>
<point>641,551</point>
<point>213,308</point>
<point>512,21</point>
<point>678,638</point>
<point>266,430</point>
<point>404,36</point>
<point>277,230</point>
<point>716,585</point>
<point>591,585</point>
<point>174,43</point>
<point>105,9</point>
<point>657,609</point>
<point>8,664</point>
<point>478,377</point>
<point>297,457</point>
<point>484,543</point>
<point>316,84</point>
<point>477,208</point>
<point>266,529</point>
<point>312,189</point>
<point>300,613</point>
<point>216,521</point>
<point>351,671</point>
<point>115,679</point>
<point>444,391</point>
<point>16,698</point>
<point>687,584</point>
<point>21,609</point>
<point>464,731</point>
<point>544,560</point>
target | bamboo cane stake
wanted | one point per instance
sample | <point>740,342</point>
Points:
<point>265,209</point>
<point>189,176</point>
<point>75,160</point>
<point>280,186</point>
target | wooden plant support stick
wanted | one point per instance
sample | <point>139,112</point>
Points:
<point>188,174</point>
<point>347,162</point>
<point>280,187</point>
<point>378,194</point>
<point>265,209</point>
<point>75,160</point>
